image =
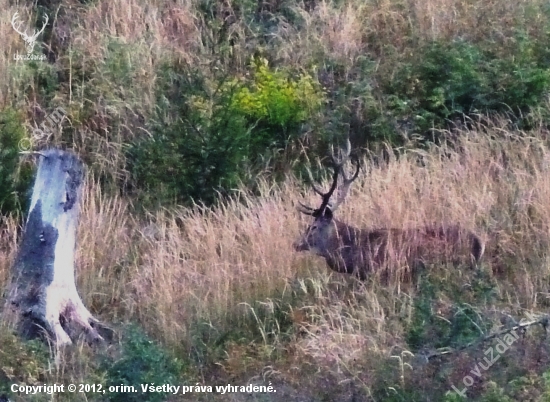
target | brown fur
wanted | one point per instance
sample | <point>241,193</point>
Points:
<point>363,252</point>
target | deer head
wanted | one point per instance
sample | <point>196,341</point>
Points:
<point>322,231</point>
<point>29,40</point>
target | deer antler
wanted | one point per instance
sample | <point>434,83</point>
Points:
<point>343,192</point>
<point>338,166</point>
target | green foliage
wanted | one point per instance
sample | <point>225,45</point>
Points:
<point>494,393</point>
<point>118,67</point>
<point>35,79</point>
<point>452,396</point>
<point>198,147</point>
<point>274,99</point>
<point>21,362</point>
<point>15,178</point>
<point>435,329</point>
<point>113,86</point>
<point>529,387</point>
<point>46,80</point>
<point>443,83</point>
<point>448,79</point>
<point>209,135</point>
<point>546,379</point>
<point>143,361</point>
<point>533,387</point>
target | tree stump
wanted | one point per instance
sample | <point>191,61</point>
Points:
<point>42,294</point>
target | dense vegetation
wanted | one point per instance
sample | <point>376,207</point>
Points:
<point>197,118</point>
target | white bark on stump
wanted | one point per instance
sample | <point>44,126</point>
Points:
<point>43,292</point>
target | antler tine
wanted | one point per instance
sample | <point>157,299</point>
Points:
<point>326,196</point>
<point>338,163</point>
<point>343,193</point>
<point>315,188</point>
<point>338,169</point>
<point>305,209</point>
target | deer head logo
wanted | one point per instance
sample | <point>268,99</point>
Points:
<point>29,40</point>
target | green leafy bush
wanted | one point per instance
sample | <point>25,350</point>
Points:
<point>445,81</point>
<point>197,147</point>
<point>21,362</point>
<point>15,178</point>
<point>448,79</point>
<point>274,104</point>
<point>460,324</point>
<point>210,134</point>
<point>275,99</point>
<point>142,362</point>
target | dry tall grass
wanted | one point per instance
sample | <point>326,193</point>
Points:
<point>217,267</point>
<point>221,269</point>
<point>346,31</point>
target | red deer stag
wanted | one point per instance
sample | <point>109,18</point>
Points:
<point>362,252</point>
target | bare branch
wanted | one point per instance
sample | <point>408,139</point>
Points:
<point>543,321</point>
<point>33,153</point>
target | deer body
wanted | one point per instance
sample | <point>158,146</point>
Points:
<point>362,252</point>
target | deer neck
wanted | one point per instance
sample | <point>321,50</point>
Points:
<point>341,238</point>
<point>345,234</point>
<point>338,252</point>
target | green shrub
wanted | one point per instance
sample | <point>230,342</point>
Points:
<point>142,362</point>
<point>434,329</point>
<point>46,80</point>
<point>274,99</point>
<point>447,80</point>
<point>210,134</point>
<point>15,178</point>
<point>443,83</point>
<point>198,147</point>
<point>21,362</point>
<point>494,393</point>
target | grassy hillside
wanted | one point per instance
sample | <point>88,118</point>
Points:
<point>196,120</point>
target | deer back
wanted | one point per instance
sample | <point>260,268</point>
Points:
<point>348,249</point>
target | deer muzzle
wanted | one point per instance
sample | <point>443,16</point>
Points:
<point>301,245</point>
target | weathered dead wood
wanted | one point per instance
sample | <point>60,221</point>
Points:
<point>42,294</point>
